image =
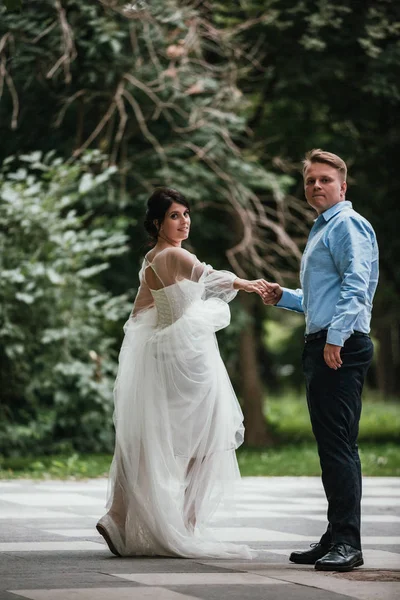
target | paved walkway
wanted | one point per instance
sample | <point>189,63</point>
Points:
<point>50,550</point>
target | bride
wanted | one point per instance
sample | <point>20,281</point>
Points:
<point>177,419</point>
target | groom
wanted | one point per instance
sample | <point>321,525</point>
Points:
<point>338,275</point>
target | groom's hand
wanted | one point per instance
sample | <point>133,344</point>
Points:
<point>332,356</point>
<point>272,294</point>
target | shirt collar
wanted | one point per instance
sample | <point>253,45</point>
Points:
<point>333,210</point>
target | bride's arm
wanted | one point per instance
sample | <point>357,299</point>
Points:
<point>177,264</point>
<point>224,284</point>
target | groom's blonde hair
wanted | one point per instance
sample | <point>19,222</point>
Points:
<point>320,156</point>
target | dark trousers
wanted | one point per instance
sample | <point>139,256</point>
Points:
<point>334,404</point>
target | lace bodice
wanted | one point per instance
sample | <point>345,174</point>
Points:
<point>165,311</point>
<point>172,301</point>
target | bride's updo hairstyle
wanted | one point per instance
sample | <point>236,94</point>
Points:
<point>157,205</point>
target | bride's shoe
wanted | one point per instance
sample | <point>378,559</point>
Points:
<point>108,529</point>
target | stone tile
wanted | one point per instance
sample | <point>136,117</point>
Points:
<point>381,482</point>
<point>379,501</point>
<point>259,563</point>
<point>285,507</point>
<point>142,593</point>
<point>5,595</point>
<point>360,590</point>
<point>255,592</point>
<point>280,482</point>
<point>87,487</point>
<point>281,551</point>
<point>254,534</point>
<point>384,540</point>
<point>26,512</point>
<point>315,503</point>
<point>275,515</point>
<point>365,518</point>
<point>9,485</point>
<point>250,512</point>
<point>146,565</point>
<point>204,579</point>
<point>381,559</point>
<point>60,579</point>
<point>381,491</point>
<point>78,533</point>
<point>47,499</point>
<point>50,546</point>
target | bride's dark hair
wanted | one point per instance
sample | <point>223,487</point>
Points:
<point>157,205</point>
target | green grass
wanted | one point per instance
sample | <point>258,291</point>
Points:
<point>293,459</point>
<point>294,454</point>
<point>74,466</point>
<point>302,460</point>
<point>288,415</point>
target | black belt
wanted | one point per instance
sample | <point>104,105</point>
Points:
<point>309,337</point>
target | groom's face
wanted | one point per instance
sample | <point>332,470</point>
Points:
<point>323,186</point>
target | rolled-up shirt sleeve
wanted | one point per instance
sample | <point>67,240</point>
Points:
<point>353,242</point>
<point>291,300</point>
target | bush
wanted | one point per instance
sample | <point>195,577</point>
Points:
<point>58,362</point>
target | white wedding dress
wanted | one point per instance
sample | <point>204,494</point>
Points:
<point>177,419</point>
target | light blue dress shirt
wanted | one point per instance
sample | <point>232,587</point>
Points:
<point>338,275</point>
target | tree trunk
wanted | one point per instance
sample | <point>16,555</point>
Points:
<point>388,359</point>
<point>252,392</point>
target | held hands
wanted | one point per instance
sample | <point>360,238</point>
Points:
<point>270,293</point>
<point>259,286</point>
<point>273,293</point>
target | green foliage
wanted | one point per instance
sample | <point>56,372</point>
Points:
<point>284,341</point>
<point>58,359</point>
<point>159,96</point>
<point>12,4</point>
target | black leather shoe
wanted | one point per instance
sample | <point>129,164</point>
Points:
<point>341,557</point>
<point>308,557</point>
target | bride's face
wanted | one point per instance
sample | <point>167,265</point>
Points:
<point>176,225</point>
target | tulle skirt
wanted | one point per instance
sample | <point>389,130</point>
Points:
<point>177,423</point>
